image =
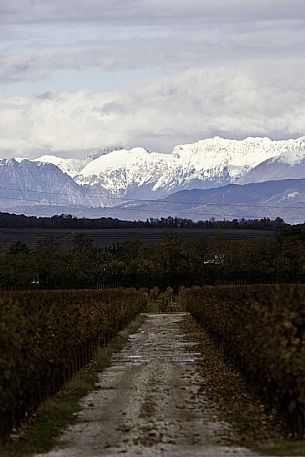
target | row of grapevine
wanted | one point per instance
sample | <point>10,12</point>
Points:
<point>46,336</point>
<point>262,329</point>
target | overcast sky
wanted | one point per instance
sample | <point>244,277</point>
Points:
<point>77,75</point>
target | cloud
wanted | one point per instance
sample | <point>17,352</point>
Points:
<point>176,50</point>
<point>235,69</point>
<point>55,39</point>
<point>181,108</point>
<point>147,12</point>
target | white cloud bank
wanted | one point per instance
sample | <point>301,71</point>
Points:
<point>194,105</point>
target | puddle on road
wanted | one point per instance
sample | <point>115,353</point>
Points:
<point>137,362</point>
<point>135,336</point>
<point>190,361</point>
<point>186,344</point>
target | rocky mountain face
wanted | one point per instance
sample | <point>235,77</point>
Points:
<point>27,183</point>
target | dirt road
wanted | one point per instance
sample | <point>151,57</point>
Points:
<point>148,403</point>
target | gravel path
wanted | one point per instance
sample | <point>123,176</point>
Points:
<point>148,403</point>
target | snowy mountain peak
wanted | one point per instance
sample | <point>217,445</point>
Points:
<point>70,166</point>
<point>239,155</point>
<point>116,160</point>
<point>208,163</point>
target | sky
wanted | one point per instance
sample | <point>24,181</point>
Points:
<point>77,76</point>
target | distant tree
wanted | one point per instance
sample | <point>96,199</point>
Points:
<point>50,264</point>
<point>17,272</point>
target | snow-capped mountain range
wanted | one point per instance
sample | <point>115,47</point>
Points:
<point>207,163</point>
<point>105,177</point>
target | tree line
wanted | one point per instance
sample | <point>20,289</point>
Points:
<point>67,221</point>
<point>172,262</point>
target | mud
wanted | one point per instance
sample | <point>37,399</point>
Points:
<point>150,402</point>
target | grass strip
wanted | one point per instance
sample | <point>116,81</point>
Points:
<point>284,448</point>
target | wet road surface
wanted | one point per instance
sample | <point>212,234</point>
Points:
<point>148,403</point>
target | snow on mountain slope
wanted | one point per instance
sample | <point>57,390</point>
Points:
<point>291,157</point>
<point>70,166</point>
<point>287,165</point>
<point>239,156</point>
<point>35,183</point>
<point>74,167</point>
<point>126,171</point>
<point>207,163</point>
<point>214,162</point>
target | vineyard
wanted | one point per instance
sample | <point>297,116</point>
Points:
<point>261,328</point>
<point>46,336</point>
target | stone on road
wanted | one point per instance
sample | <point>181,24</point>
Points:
<point>149,403</point>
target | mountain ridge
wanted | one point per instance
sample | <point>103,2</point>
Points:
<point>101,180</point>
<point>284,198</point>
<point>38,183</point>
<point>287,165</point>
<point>212,162</point>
